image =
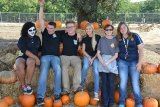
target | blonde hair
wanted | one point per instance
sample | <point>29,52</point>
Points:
<point>94,42</point>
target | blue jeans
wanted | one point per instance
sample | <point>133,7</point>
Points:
<point>107,88</point>
<point>129,69</point>
<point>46,62</point>
<point>85,69</point>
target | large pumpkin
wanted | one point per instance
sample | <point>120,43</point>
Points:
<point>106,22</point>
<point>130,102</point>
<point>57,104</point>
<point>48,102</point>
<point>7,77</point>
<point>3,103</point>
<point>150,102</point>
<point>116,96</point>
<point>58,24</point>
<point>81,99</point>
<point>65,99</point>
<point>83,24</point>
<point>95,25</point>
<point>9,100</point>
<point>27,100</point>
<point>149,68</point>
<point>93,102</point>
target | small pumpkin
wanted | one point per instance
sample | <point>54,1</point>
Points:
<point>57,104</point>
<point>48,102</point>
<point>106,22</point>
<point>116,96</point>
<point>27,100</point>
<point>58,24</point>
<point>83,24</point>
<point>8,77</point>
<point>130,102</point>
<point>150,102</point>
<point>80,52</point>
<point>95,25</point>
<point>149,68</point>
<point>65,99</point>
<point>93,102</point>
<point>81,99</point>
<point>9,100</point>
<point>3,103</point>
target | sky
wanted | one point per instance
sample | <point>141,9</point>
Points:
<point>136,0</point>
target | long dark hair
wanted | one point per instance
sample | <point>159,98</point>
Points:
<point>26,26</point>
<point>119,33</point>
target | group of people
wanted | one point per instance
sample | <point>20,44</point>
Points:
<point>108,55</point>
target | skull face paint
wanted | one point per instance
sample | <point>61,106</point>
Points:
<point>31,31</point>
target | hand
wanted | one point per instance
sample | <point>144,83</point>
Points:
<point>138,66</point>
<point>41,2</point>
<point>91,61</point>
<point>37,61</point>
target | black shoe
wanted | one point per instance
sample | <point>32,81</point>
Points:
<point>29,90</point>
<point>57,98</point>
<point>78,89</point>
<point>40,101</point>
<point>64,93</point>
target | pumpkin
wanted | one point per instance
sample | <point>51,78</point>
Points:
<point>48,102</point>
<point>8,77</point>
<point>106,22</point>
<point>81,99</point>
<point>80,52</point>
<point>37,24</point>
<point>3,103</point>
<point>130,102</point>
<point>83,24</point>
<point>9,100</point>
<point>57,104</point>
<point>159,68</point>
<point>149,68</point>
<point>93,102</point>
<point>65,99</point>
<point>61,48</point>
<point>27,100</point>
<point>116,96</point>
<point>150,102</point>
<point>95,25</point>
<point>58,24</point>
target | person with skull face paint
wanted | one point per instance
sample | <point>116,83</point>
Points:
<point>30,45</point>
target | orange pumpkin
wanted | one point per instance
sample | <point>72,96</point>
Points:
<point>58,24</point>
<point>150,102</point>
<point>3,103</point>
<point>80,52</point>
<point>106,22</point>
<point>116,96</point>
<point>95,25</point>
<point>149,68</point>
<point>9,100</point>
<point>48,102</point>
<point>93,102</point>
<point>130,102</point>
<point>81,99</point>
<point>159,68</point>
<point>37,24</point>
<point>27,100</point>
<point>57,104</point>
<point>7,77</point>
<point>61,48</point>
<point>65,99</point>
<point>83,24</point>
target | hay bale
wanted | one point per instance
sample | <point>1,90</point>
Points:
<point>150,85</point>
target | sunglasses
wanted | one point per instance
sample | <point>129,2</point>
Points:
<point>108,29</point>
<point>32,30</point>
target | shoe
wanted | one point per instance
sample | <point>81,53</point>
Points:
<point>29,90</point>
<point>24,89</point>
<point>120,105</point>
<point>40,101</point>
<point>78,89</point>
<point>96,96</point>
<point>64,93</point>
<point>113,105</point>
<point>57,98</point>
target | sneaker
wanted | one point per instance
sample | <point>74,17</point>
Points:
<point>64,93</point>
<point>24,89</point>
<point>29,90</point>
<point>40,101</point>
<point>96,96</point>
<point>57,98</point>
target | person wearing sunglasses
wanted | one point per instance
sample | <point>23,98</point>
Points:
<point>89,48</point>
<point>30,46</point>
<point>107,52</point>
<point>129,62</point>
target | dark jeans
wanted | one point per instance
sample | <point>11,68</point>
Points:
<point>107,88</point>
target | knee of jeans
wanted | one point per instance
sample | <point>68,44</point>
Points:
<point>85,67</point>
